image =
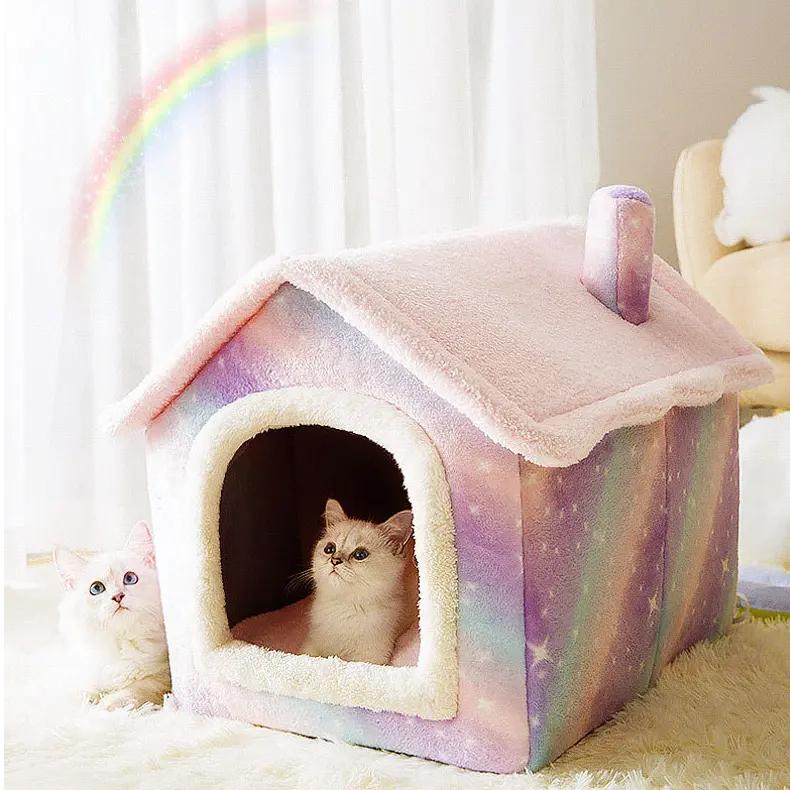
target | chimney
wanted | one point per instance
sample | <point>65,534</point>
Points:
<point>618,252</point>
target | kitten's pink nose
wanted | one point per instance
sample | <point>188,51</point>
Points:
<point>336,560</point>
<point>118,597</point>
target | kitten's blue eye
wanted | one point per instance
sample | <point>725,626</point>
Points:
<point>97,588</point>
<point>361,554</point>
<point>130,578</point>
<point>329,548</point>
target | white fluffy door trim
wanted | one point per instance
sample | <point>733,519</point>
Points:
<point>429,690</point>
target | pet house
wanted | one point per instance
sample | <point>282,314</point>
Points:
<point>559,410</point>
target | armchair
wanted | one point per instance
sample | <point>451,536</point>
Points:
<point>750,286</point>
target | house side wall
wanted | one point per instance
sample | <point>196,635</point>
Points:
<point>297,341</point>
<point>630,557</point>
<point>701,568</point>
<point>593,536</point>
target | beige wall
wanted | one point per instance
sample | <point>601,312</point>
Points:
<point>672,72</point>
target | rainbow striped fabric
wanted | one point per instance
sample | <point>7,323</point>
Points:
<point>630,557</point>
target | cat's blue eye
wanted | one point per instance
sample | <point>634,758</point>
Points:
<point>329,548</point>
<point>130,578</point>
<point>97,588</point>
<point>361,554</point>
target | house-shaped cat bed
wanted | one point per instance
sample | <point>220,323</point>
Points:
<point>559,410</point>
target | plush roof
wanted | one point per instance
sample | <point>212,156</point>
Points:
<point>500,325</point>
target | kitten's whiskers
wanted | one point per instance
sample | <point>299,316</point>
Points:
<point>302,579</point>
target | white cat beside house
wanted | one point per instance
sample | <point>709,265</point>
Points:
<point>111,617</point>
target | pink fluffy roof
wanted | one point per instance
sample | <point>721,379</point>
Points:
<point>499,325</point>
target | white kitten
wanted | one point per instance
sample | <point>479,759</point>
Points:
<point>111,617</point>
<point>365,587</point>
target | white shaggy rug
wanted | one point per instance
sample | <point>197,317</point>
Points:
<point>719,718</point>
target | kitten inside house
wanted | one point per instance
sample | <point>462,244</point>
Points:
<point>111,617</point>
<point>365,584</point>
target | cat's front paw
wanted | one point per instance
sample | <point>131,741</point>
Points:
<point>309,649</point>
<point>315,649</point>
<point>117,700</point>
<point>92,697</point>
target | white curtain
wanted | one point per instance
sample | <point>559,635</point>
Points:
<point>378,119</point>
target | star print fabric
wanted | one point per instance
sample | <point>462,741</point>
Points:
<point>629,558</point>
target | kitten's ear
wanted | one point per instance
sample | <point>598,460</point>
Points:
<point>334,513</point>
<point>398,530</point>
<point>141,544</point>
<point>68,564</point>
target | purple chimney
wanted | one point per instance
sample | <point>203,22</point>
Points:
<point>618,254</point>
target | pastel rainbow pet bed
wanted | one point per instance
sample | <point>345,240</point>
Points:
<point>559,410</point>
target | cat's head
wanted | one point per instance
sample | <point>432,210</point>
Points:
<point>359,556</point>
<point>116,591</point>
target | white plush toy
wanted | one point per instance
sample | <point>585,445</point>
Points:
<point>755,166</point>
<point>765,492</point>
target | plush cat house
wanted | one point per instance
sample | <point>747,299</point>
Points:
<point>559,410</point>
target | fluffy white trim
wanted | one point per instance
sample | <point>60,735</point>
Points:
<point>428,690</point>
